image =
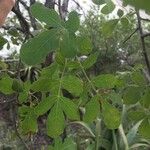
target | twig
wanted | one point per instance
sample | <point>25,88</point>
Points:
<point>143,43</point>
<point>145,19</point>
<point>146,35</point>
<point>128,38</point>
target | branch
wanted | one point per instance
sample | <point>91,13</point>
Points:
<point>128,38</point>
<point>146,35</point>
<point>145,19</point>
<point>143,43</point>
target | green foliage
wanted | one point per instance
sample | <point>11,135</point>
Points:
<point>109,27</point>
<point>138,4</point>
<point>108,8</point>
<point>70,109</point>
<point>48,16</point>
<point>17,86</point>
<point>3,41</point>
<point>44,105</point>
<point>105,81</point>
<point>92,110</point>
<point>29,124</point>
<point>67,91</point>
<point>73,22</point>
<point>55,121</point>
<point>90,61</point>
<point>144,128</point>
<point>73,84</point>
<point>39,46</point>
<point>111,116</point>
<point>132,95</point>
<point>84,45</point>
<point>68,47</point>
<point>98,2</point>
<point>6,85</point>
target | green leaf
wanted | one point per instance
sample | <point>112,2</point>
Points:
<point>98,2</point>
<point>70,108</point>
<point>138,78</point>
<point>3,66</point>
<point>35,50</point>
<point>92,110</point>
<point>120,12</point>
<point>3,41</point>
<point>13,32</point>
<point>108,8</point>
<point>124,21</point>
<point>46,15</point>
<point>132,95</point>
<point>84,45</point>
<point>144,129</point>
<point>55,121</point>
<point>145,100</point>
<point>44,105</point>
<point>136,115</point>
<point>49,72</point>
<point>17,86</point>
<point>59,59</point>
<point>72,84</point>
<point>111,116</point>
<point>139,4</point>
<point>41,85</point>
<point>69,144</point>
<point>73,65</point>
<point>6,85</point>
<point>115,98</point>
<point>24,110</point>
<point>73,22</point>
<point>68,47</point>
<point>90,61</point>
<point>23,97</point>
<point>109,26</point>
<point>105,81</point>
<point>29,124</point>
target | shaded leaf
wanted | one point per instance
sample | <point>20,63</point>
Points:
<point>72,84</point>
<point>73,22</point>
<point>17,86</point>
<point>35,50</point>
<point>111,116</point>
<point>108,8</point>
<point>70,108</point>
<point>6,85</point>
<point>109,26</point>
<point>55,121</point>
<point>43,14</point>
<point>132,95</point>
<point>92,110</point>
<point>44,105</point>
<point>98,2</point>
<point>105,81</point>
<point>144,129</point>
<point>90,61</point>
